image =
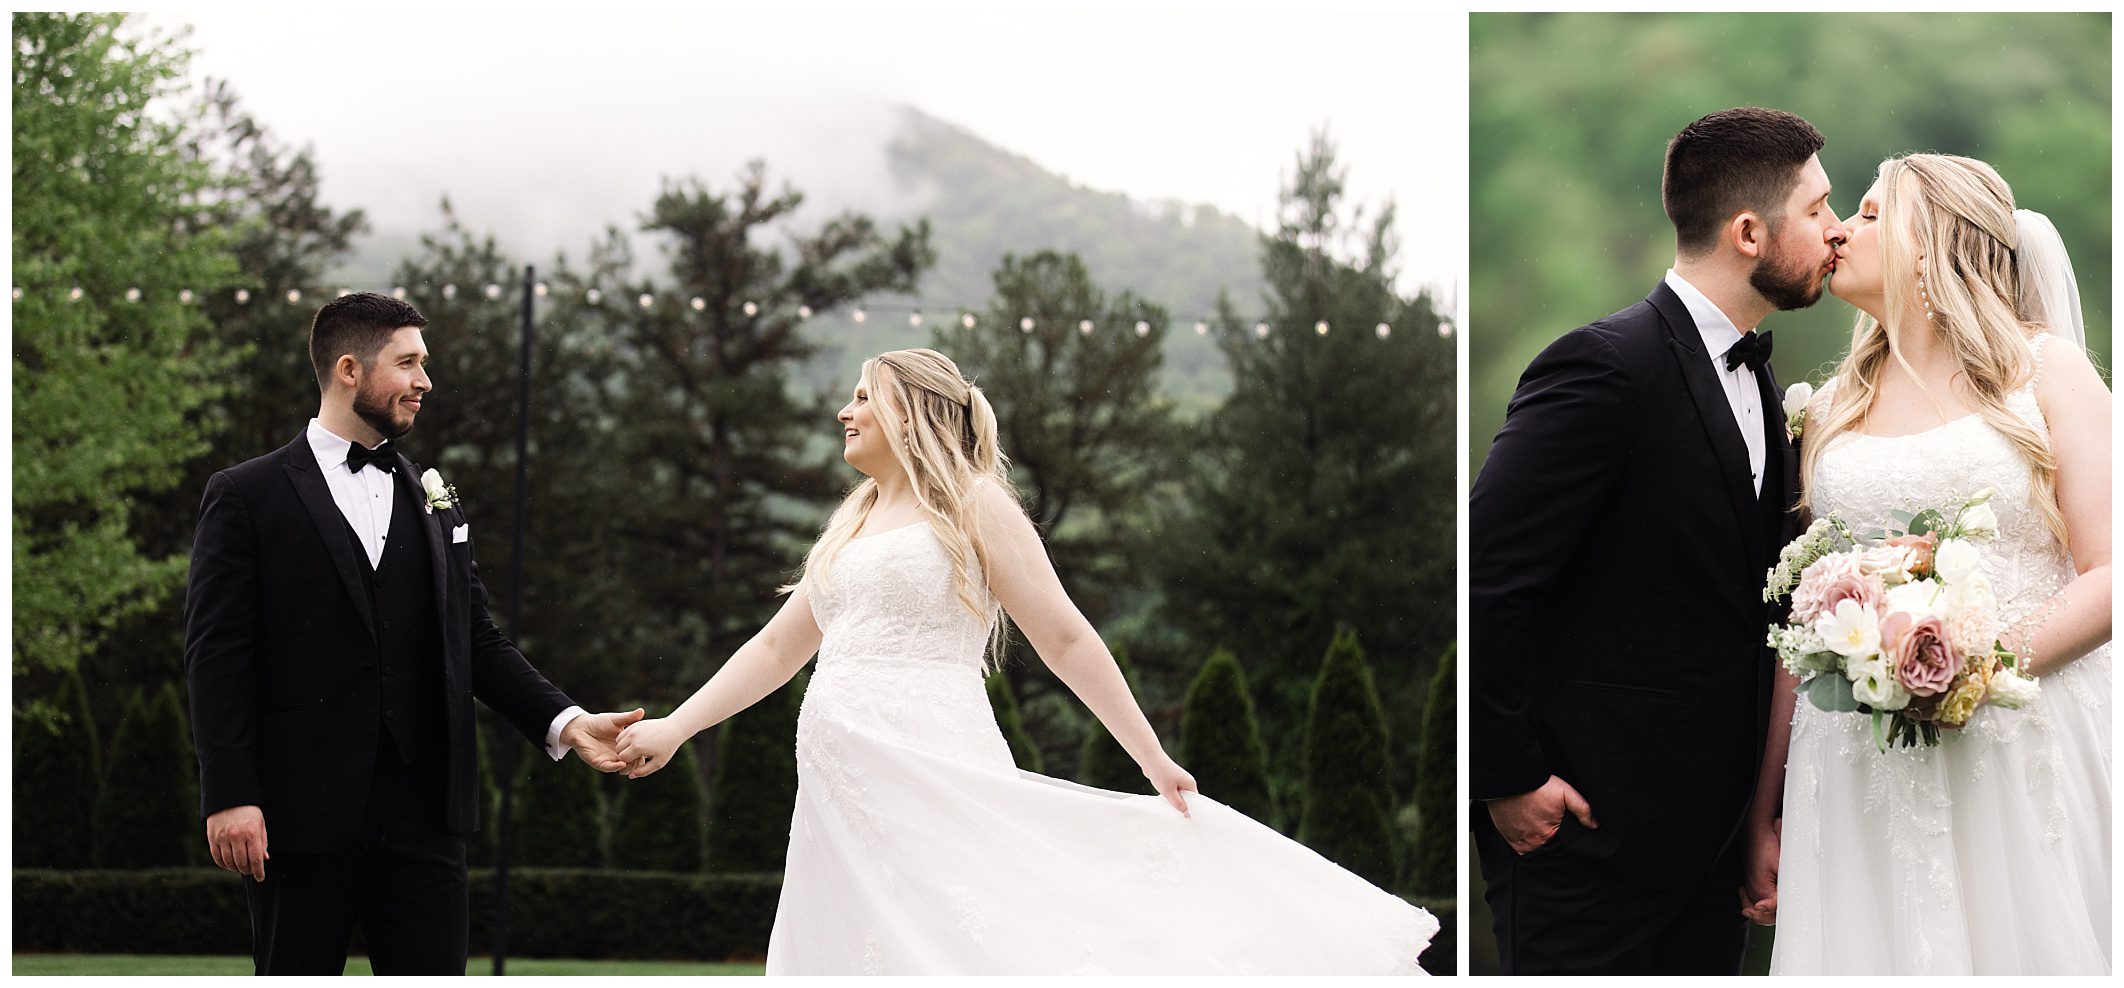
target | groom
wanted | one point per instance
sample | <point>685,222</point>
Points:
<point>1618,537</point>
<point>336,633</point>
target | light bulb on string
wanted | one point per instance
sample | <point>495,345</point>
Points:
<point>1084,326</point>
<point>967,320</point>
<point>450,290</point>
<point>399,293</point>
<point>1261,330</point>
<point>74,295</point>
<point>915,318</point>
<point>185,296</point>
<point>539,289</point>
<point>1142,328</point>
<point>1383,330</point>
<point>593,296</point>
<point>1201,328</point>
<point>294,295</point>
<point>698,303</point>
<point>18,294</point>
<point>752,308</point>
<point>803,312</point>
<point>646,300</point>
<point>493,291</point>
<point>1321,327</point>
<point>243,296</point>
<point>1026,324</point>
<point>132,294</point>
<point>1445,329</point>
<point>860,316</point>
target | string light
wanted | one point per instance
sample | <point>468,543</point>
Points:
<point>915,318</point>
<point>18,294</point>
<point>493,291</point>
<point>967,320</point>
<point>593,296</point>
<point>344,292</point>
<point>243,296</point>
<point>183,296</point>
<point>646,300</point>
<point>752,308</point>
<point>294,295</point>
<point>861,316</point>
<point>75,295</point>
<point>1383,330</point>
<point>450,290</point>
<point>1321,327</point>
<point>803,312</point>
<point>399,292</point>
<point>1201,328</point>
<point>132,294</point>
<point>1025,325</point>
<point>1445,329</point>
<point>1142,328</point>
<point>1261,330</point>
<point>1084,326</point>
<point>698,303</point>
<point>539,289</point>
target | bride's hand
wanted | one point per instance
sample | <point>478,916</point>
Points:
<point>1169,779</point>
<point>648,745</point>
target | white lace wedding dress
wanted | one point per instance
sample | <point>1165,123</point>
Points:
<point>918,848</point>
<point>1990,853</point>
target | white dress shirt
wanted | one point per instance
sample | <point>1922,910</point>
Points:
<point>1742,393</point>
<point>365,500</point>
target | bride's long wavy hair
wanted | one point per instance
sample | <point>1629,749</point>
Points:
<point>1957,213</point>
<point>942,431</point>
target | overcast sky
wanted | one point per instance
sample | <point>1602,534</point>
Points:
<point>541,124</point>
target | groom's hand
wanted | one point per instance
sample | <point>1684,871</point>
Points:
<point>595,738</point>
<point>1759,873</point>
<point>236,838</point>
<point>1530,819</point>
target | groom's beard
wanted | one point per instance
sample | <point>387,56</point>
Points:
<point>1785,288</point>
<point>380,409</point>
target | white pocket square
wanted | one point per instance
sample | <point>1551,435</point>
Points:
<point>460,533</point>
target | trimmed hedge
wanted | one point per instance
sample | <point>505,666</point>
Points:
<point>660,823</point>
<point>1347,779</point>
<point>1220,739</point>
<point>558,816</point>
<point>147,809</point>
<point>57,775</point>
<point>553,912</point>
<point>1435,843</point>
<point>752,789</point>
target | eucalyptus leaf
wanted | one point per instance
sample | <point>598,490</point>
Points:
<point>1830,692</point>
<point>1926,521</point>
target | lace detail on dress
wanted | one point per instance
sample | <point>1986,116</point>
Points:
<point>973,920</point>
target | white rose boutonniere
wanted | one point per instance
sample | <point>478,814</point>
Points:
<point>440,494</point>
<point>1796,399</point>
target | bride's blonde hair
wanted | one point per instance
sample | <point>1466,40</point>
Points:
<point>1957,214</point>
<point>942,431</point>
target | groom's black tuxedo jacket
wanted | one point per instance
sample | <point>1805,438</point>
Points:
<point>1617,550</point>
<point>285,661</point>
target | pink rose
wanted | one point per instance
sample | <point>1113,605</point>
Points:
<point>1831,580</point>
<point>1918,651</point>
<point>1921,549</point>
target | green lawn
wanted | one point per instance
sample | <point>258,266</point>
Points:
<point>152,964</point>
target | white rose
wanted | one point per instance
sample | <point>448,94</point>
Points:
<point>1972,594</point>
<point>1797,397</point>
<point>1892,562</point>
<point>1955,560</point>
<point>1873,684</point>
<point>2010,689</point>
<point>1918,598</point>
<point>432,484</point>
<point>1851,630</point>
<point>1980,522</point>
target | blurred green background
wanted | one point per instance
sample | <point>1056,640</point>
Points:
<point>1570,115</point>
<point>1569,118</point>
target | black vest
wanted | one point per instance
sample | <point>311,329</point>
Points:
<point>409,653</point>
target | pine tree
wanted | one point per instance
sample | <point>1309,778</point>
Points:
<point>147,811</point>
<point>752,792</point>
<point>112,365</point>
<point>559,814</point>
<point>1435,835</point>
<point>660,823</point>
<point>1102,763</point>
<point>57,771</point>
<point>1220,740</point>
<point>1347,812</point>
<point>1022,749</point>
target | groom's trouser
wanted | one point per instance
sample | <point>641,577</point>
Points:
<point>1562,909</point>
<point>405,883</point>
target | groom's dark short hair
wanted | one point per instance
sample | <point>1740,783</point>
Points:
<point>1747,158</point>
<point>359,323</point>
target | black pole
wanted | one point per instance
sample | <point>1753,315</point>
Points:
<point>516,630</point>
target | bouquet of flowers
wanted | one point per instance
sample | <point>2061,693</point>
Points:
<point>1897,624</point>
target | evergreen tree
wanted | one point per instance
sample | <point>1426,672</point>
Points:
<point>559,814</point>
<point>1220,740</point>
<point>57,771</point>
<point>1321,493</point>
<point>752,791</point>
<point>1102,763</point>
<point>1022,749</point>
<point>660,823</point>
<point>1435,840</point>
<point>1347,812</point>
<point>147,810</point>
<point>109,383</point>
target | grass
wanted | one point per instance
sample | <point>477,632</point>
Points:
<point>166,964</point>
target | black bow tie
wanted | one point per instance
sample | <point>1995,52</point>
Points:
<point>1753,350</point>
<point>384,457</point>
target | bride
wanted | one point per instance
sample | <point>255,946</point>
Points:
<point>1989,854</point>
<point>917,846</point>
